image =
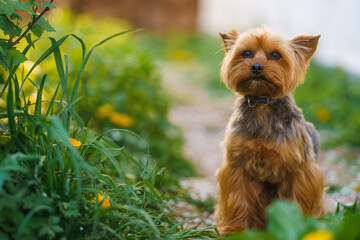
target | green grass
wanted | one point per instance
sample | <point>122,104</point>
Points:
<point>124,77</point>
<point>50,189</point>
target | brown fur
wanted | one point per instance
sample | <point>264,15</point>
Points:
<point>270,150</point>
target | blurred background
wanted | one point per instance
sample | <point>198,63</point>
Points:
<point>163,82</point>
<point>335,20</point>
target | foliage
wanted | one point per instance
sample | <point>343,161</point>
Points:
<point>329,97</point>
<point>12,25</point>
<point>121,88</point>
<point>285,221</point>
<point>58,178</point>
<point>202,205</point>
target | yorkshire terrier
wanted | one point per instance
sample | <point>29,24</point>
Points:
<point>270,150</point>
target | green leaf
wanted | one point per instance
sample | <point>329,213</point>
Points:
<point>11,5</point>
<point>2,11</point>
<point>47,4</point>
<point>37,113</point>
<point>4,47</point>
<point>69,209</point>
<point>8,26</point>
<point>51,227</point>
<point>285,220</point>
<point>31,3</point>
<point>6,9</point>
<point>40,26</point>
<point>10,111</point>
<point>14,57</point>
<point>113,151</point>
<point>348,228</point>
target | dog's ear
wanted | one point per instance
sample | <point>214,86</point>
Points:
<point>304,46</point>
<point>229,39</point>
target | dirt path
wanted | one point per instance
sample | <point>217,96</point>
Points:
<point>204,119</point>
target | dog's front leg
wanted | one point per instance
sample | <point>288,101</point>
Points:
<point>306,189</point>
<point>238,207</point>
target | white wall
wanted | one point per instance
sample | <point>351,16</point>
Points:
<point>338,22</point>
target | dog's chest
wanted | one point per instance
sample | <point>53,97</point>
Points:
<point>264,162</point>
<point>267,144</point>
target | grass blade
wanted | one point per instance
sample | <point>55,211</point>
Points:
<point>52,100</point>
<point>55,46</point>
<point>39,99</point>
<point>10,111</point>
<point>86,59</point>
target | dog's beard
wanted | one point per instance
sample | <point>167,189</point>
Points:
<point>257,86</point>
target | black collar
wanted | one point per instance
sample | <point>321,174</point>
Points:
<point>253,101</point>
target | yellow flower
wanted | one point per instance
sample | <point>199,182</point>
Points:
<point>104,111</point>
<point>357,188</point>
<point>100,197</point>
<point>75,142</point>
<point>319,235</point>
<point>121,120</point>
<point>323,115</point>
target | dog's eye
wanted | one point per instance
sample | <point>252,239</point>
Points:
<point>247,54</point>
<point>275,56</point>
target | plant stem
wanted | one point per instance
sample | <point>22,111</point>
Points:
<point>31,25</point>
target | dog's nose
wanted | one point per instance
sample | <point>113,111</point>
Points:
<point>257,68</point>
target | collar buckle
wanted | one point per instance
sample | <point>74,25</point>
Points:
<point>253,101</point>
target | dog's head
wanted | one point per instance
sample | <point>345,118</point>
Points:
<point>259,62</point>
